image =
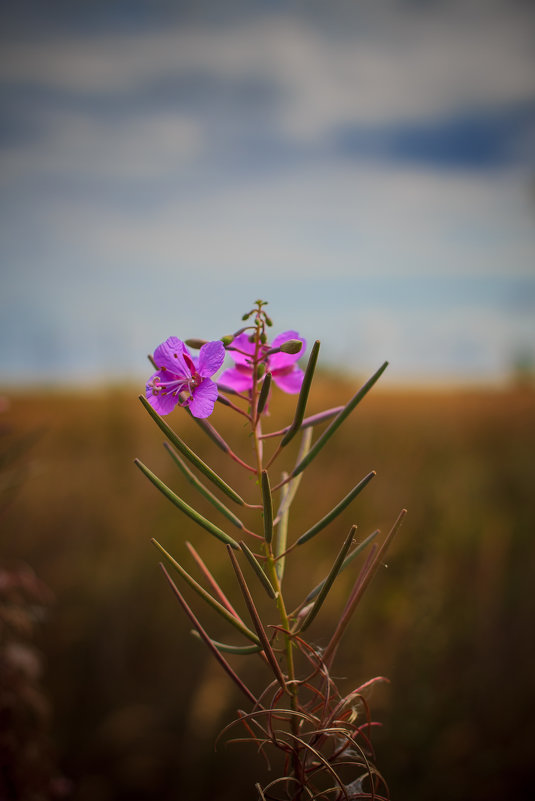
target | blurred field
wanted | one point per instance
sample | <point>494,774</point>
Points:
<point>136,703</point>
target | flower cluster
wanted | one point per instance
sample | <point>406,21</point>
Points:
<point>282,366</point>
<point>184,380</point>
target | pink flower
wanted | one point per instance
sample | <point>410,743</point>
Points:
<point>179,373</point>
<point>282,366</point>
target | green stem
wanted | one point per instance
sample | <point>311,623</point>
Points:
<point>270,564</point>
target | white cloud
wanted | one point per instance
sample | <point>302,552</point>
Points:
<point>138,268</point>
<point>79,144</point>
<point>319,220</point>
<point>393,62</point>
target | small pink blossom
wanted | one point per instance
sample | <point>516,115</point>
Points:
<point>179,373</point>
<point>282,366</point>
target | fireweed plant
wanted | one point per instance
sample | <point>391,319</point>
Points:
<point>324,736</point>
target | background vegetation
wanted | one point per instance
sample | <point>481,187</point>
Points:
<point>135,703</point>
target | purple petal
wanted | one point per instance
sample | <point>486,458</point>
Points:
<point>211,357</point>
<point>280,360</point>
<point>289,381</point>
<point>169,356</point>
<point>163,404</point>
<point>238,378</point>
<point>242,342</point>
<point>204,398</point>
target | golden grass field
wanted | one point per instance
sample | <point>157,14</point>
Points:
<point>136,703</point>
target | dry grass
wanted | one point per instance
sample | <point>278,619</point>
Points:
<point>137,703</point>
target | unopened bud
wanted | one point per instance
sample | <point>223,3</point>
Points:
<point>260,370</point>
<point>268,320</point>
<point>240,331</point>
<point>291,346</point>
<point>226,340</point>
<point>195,343</point>
<point>263,338</point>
<point>246,316</point>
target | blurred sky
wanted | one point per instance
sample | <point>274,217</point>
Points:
<point>366,166</point>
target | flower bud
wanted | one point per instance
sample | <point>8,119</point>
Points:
<point>268,320</point>
<point>291,346</point>
<point>226,340</point>
<point>195,343</point>
<point>240,331</point>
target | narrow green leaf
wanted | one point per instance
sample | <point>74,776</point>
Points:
<point>303,394</point>
<point>264,394</point>
<point>337,509</point>
<point>257,567</point>
<point>204,636</point>
<point>200,487</point>
<point>347,561</point>
<point>255,617</point>
<point>190,455</point>
<point>268,507</point>
<point>219,608</point>
<point>230,649</point>
<point>211,579</point>
<point>359,589</point>
<point>338,420</point>
<point>184,507</point>
<point>328,582</point>
<point>210,431</point>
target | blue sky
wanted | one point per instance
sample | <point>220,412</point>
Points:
<point>366,167</point>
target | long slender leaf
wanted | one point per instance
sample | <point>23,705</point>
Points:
<point>204,636</point>
<point>268,507</point>
<point>303,395</point>
<point>255,617</point>
<point>328,582</point>
<point>200,487</point>
<point>314,420</point>
<point>337,509</point>
<point>339,419</point>
<point>210,431</point>
<point>211,580</point>
<point>264,394</point>
<point>190,455</point>
<point>230,649</point>
<point>347,561</point>
<point>219,608</point>
<point>184,507</point>
<point>257,567</point>
<point>360,588</point>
